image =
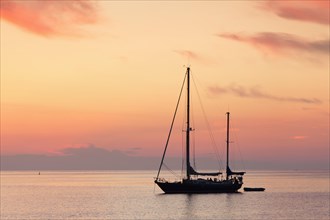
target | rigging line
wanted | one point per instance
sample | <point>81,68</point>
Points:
<point>206,91</point>
<point>170,131</point>
<point>239,149</point>
<point>193,133</point>
<point>204,114</point>
<point>183,136</point>
<point>233,152</point>
<point>182,152</point>
<point>171,171</point>
<point>208,126</point>
<point>205,118</point>
<point>194,149</point>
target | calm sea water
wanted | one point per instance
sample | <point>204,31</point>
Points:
<point>132,195</point>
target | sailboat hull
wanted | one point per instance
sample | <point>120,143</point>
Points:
<point>196,186</point>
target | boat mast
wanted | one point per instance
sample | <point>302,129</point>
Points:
<point>188,125</point>
<point>227,141</point>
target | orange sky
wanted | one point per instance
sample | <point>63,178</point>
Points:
<point>108,73</point>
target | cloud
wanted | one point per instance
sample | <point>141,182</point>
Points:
<point>133,150</point>
<point>95,158</point>
<point>298,137</point>
<point>51,18</point>
<point>86,157</point>
<point>316,11</point>
<point>254,92</point>
<point>188,54</point>
<point>193,56</point>
<point>88,151</point>
<point>280,43</point>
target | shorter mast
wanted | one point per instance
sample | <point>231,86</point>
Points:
<point>227,141</point>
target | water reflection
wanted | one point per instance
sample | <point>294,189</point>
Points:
<point>189,203</point>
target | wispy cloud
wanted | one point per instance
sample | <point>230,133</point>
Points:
<point>280,43</point>
<point>85,151</point>
<point>188,54</point>
<point>255,92</point>
<point>298,137</point>
<point>193,56</point>
<point>51,18</point>
<point>316,11</point>
<point>133,150</point>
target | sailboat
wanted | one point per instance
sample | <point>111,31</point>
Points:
<point>194,181</point>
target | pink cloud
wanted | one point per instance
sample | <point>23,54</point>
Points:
<point>299,137</point>
<point>316,11</point>
<point>280,43</point>
<point>50,18</point>
<point>256,93</point>
<point>193,56</point>
<point>188,54</point>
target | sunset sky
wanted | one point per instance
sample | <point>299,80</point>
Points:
<point>108,74</point>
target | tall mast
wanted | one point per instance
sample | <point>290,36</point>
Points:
<point>188,125</point>
<point>227,141</point>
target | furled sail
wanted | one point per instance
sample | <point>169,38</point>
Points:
<point>194,172</point>
<point>229,172</point>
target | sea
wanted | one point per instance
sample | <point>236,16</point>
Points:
<point>86,195</point>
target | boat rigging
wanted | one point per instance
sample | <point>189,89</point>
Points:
<point>192,183</point>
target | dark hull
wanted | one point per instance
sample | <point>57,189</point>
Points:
<point>199,186</point>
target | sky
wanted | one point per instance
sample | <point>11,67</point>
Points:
<point>81,73</point>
